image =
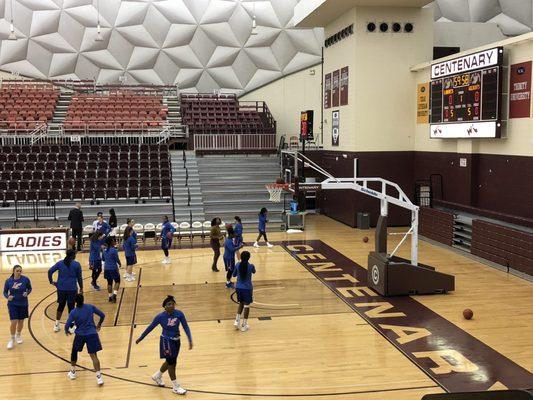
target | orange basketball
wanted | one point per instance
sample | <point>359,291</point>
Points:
<point>169,235</point>
<point>280,181</point>
<point>468,313</point>
<point>71,242</point>
<point>365,239</point>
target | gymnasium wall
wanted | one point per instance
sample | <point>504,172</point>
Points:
<point>288,96</point>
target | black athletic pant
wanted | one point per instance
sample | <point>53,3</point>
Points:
<point>96,273</point>
<point>77,233</point>
<point>262,233</point>
<point>215,245</point>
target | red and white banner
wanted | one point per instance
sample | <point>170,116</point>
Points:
<point>33,241</point>
<point>520,90</point>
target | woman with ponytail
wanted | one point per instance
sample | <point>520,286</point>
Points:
<point>81,321</point>
<point>169,342</point>
<point>243,271</point>
<point>68,279</point>
<point>16,290</point>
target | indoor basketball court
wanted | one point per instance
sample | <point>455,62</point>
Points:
<point>373,159</point>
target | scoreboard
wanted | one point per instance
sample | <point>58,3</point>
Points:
<point>465,99</point>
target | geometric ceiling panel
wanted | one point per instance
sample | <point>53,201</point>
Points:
<point>513,17</point>
<point>198,45</point>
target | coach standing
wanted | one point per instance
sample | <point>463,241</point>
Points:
<point>76,223</point>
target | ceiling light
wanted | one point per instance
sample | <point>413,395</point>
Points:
<point>12,35</point>
<point>99,37</point>
<point>254,23</point>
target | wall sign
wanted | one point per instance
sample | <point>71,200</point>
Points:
<point>344,86</point>
<point>32,259</point>
<point>33,241</point>
<point>335,89</point>
<point>335,132</point>
<point>422,104</point>
<point>327,91</point>
<point>520,90</point>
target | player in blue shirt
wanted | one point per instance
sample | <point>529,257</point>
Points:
<point>101,225</point>
<point>167,233</point>
<point>169,342</point>
<point>95,257</point>
<point>263,219</point>
<point>111,266</point>
<point>68,279</point>
<point>129,245</point>
<point>86,334</point>
<point>243,271</point>
<point>16,290</point>
<point>237,227</point>
<point>230,247</point>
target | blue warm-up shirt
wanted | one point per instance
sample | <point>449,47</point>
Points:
<point>170,324</point>
<point>262,222</point>
<point>103,227</point>
<point>111,259</point>
<point>230,247</point>
<point>245,283</point>
<point>68,276</point>
<point>167,227</point>
<point>82,317</point>
<point>129,246</point>
<point>238,232</point>
<point>95,253</point>
<point>17,288</point>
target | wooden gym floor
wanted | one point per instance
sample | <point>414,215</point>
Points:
<point>304,339</point>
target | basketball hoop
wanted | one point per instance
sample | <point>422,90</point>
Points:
<point>275,190</point>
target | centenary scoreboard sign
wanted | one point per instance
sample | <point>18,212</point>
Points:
<point>466,96</point>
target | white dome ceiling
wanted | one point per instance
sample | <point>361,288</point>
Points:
<point>198,44</point>
<point>514,17</point>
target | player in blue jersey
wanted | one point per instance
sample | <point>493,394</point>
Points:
<point>169,342</point>
<point>263,219</point>
<point>68,279</point>
<point>86,334</point>
<point>101,225</point>
<point>129,245</point>
<point>95,257</point>
<point>244,288</point>
<point>16,290</point>
<point>167,233</point>
<point>111,269</point>
<point>230,247</point>
<point>237,227</point>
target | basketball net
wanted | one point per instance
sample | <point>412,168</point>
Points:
<point>275,189</point>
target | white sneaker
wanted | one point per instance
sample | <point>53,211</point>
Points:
<point>158,380</point>
<point>125,275</point>
<point>236,324</point>
<point>18,339</point>
<point>71,375</point>
<point>56,327</point>
<point>10,344</point>
<point>99,380</point>
<point>256,244</point>
<point>244,328</point>
<point>72,329</point>
<point>270,245</point>
<point>178,390</point>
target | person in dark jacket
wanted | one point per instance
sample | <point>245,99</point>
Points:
<point>113,222</point>
<point>76,224</point>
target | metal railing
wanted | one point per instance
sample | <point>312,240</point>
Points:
<point>235,142</point>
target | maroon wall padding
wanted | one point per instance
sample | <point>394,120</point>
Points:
<point>502,245</point>
<point>436,225</point>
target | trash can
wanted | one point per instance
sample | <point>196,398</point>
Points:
<point>294,207</point>
<point>363,220</point>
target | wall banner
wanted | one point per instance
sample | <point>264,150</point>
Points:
<point>344,86</point>
<point>327,91</point>
<point>422,103</point>
<point>520,90</point>
<point>335,93</point>
<point>335,132</point>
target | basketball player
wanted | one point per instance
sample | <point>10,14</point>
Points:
<point>230,247</point>
<point>129,245</point>
<point>101,225</point>
<point>263,219</point>
<point>215,236</point>
<point>16,290</point>
<point>243,271</point>
<point>95,257</point>
<point>111,272</point>
<point>167,233</point>
<point>68,280</point>
<point>169,342</point>
<point>237,227</point>
<point>86,333</point>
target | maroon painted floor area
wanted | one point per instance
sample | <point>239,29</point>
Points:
<point>453,358</point>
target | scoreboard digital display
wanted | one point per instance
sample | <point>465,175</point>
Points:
<point>465,100</point>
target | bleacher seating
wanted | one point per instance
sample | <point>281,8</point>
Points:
<point>84,172</point>
<point>25,105</point>
<point>121,110</point>
<point>223,114</point>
